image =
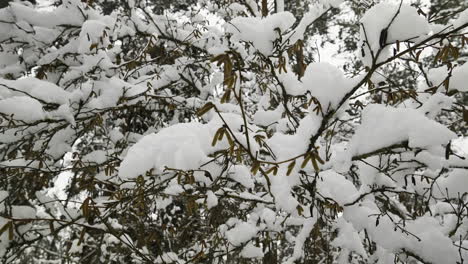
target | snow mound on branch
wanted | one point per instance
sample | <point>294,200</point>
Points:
<point>427,238</point>
<point>407,25</point>
<point>63,15</point>
<point>4,240</point>
<point>323,80</point>
<point>435,103</point>
<point>8,62</point>
<point>211,199</point>
<point>251,251</point>
<point>241,233</point>
<point>453,186</point>
<point>23,212</point>
<point>336,186</point>
<point>348,238</point>
<point>181,146</point>
<point>260,31</point>
<point>384,126</point>
<point>327,83</point>
<point>242,175</point>
<point>93,32</point>
<point>456,82</point>
<point>36,88</point>
<point>22,108</point>
<point>462,19</point>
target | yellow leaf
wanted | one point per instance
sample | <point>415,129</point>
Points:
<point>307,157</point>
<point>255,167</point>
<point>204,109</point>
<point>291,167</point>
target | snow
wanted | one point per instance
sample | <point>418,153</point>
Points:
<point>251,251</point>
<point>4,240</point>
<point>36,88</point>
<point>60,142</point>
<point>179,146</point>
<point>75,248</point>
<point>260,31</point>
<point>322,80</point>
<point>97,156</point>
<point>435,103</point>
<point>348,238</point>
<point>453,186</point>
<point>242,175</point>
<point>22,108</point>
<point>115,135</point>
<point>89,81</point>
<point>211,199</point>
<point>461,20</point>
<point>93,32</point>
<point>286,145</point>
<point>315,11</point>
<point>301,238</point>
<point>426,228</point>
<point>457,81</point>
<point>168,257</point>
<point>59,16</point>
<point>336,187</point>
<point>459,78</point>
<point>335,3</point>
<point>266,118</point>
<point>327,83</point>
<point>23,212</point>
<point>429,230</point>
<point>7,60</point>
<point>383,126</point>
<point>279,5</point>
<point>370,176</point>
<point>174,189</point>
<point>3,197</point>
<point>380,17</point>
<point>64,111</point>
<point>291,84</point>
<point>241,233</point>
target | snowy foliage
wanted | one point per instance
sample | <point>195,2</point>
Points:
<point>214,134</point>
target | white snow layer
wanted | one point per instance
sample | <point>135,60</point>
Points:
<point>403,23</point>
<point>22,108</point>
<point>181,146</point>
<point>261,31</point>
<point>384,126</point>
<point>457,81</point>
<point>241,233</point>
